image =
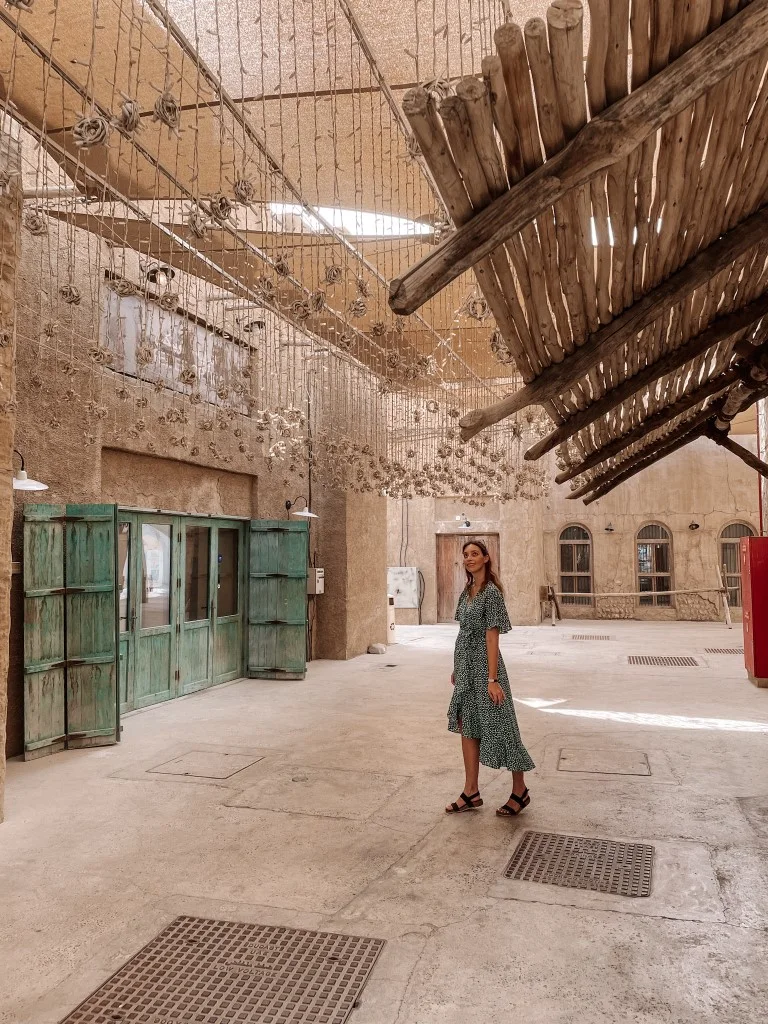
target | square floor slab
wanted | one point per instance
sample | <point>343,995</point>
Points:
<point>603,761</point>
<point>325,792</point>
<point>206,764</point>
<point>684,885</point>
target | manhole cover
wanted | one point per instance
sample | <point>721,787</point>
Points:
<point>206,764</point>
<point>603,761</point>
<point>589,636</point>
<point>601,865</point>
<point>662,659</point>
<point>723,650</point>
<point>222,972</point>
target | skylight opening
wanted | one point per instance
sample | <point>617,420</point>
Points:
<point>355,223</point>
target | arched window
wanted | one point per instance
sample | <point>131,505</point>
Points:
<point>576,565</point>
<point>730,561</point>
<point>654,565</point>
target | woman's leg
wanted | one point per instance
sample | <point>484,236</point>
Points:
<point>518,783</point>
<point>470,750</point>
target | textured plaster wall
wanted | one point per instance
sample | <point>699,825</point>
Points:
<point>519,526</point>
<point>352,548</point>
<point>701,483</point>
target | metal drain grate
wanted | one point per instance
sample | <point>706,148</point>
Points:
<point>723,650</point>
<point>662,659</point>
<point>589,636</point>
<point>601,865</point>
<point>222,972</point>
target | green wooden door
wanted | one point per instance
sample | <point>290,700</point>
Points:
<point>277,599</point>
<point>44,652</point>
<point>70,627</point>
<point>91,625</point>
<point>126,536</point>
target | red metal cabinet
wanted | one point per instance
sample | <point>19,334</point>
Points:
<point>754,588</point>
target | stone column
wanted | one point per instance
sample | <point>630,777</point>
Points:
<point>351,537</point>
<point>10,226</point>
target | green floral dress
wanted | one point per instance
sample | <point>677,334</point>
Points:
<point>472,713</point>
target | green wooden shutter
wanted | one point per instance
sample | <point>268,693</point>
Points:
<point>277,599</point>
<point>70,627</point>
<point>44,653</point>
<point>91,625</point>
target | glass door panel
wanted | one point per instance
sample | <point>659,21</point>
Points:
<point>154,666</point>
<point>228,643</point>
<point>195,631</point>
<point>127,620</point>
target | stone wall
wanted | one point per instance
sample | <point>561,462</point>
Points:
<point>701,484</point>
<point>10,213</point>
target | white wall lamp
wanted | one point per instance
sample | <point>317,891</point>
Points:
<point>160,274</point>
<point>21,482</point>
<point>464,523</point>
<point>303,513</point>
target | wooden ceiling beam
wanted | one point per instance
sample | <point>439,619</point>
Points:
<point>648,425</point>
<point>661,443</point>
<point>720,329</point>
<point>669,444</point>
<point>739,450</point>
<point>558,378</point>
<point>606,139</point>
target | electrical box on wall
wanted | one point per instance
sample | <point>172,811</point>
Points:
<point>316,581</point>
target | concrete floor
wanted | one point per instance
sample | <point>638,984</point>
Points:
<point>339,826</point>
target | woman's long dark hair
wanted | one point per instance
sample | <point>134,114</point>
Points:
<point>490,575</point>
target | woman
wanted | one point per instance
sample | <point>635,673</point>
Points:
<point>481,708</point>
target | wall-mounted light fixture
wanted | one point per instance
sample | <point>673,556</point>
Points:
<point>303,513</point>
<point>464,523</point>
<point>693,525</point>
<point>21,482</point>
<point>610,528</point>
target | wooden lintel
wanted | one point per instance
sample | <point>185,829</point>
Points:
<point>662,453</point>
<point>719,330</point>
<point>722,438</point>
<point>647,426</point>
<point>700,418</point>
<point>603,141</point>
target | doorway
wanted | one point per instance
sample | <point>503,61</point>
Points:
<point>451,578</point>
<point>181,604</point>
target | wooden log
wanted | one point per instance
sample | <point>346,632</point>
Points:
<point>724,327</point>
<point>460,132</point>
<point>621,330</point>
<point>746,456</point>
<point>663,18</point>
<point>493,74</point>
<point>566,45</point>
<point>510,46</point>
<point>597,54</point>
<point>422,116</point>
<point>603,141</point>
<point>648,425</point>
<point>640,28</point>
<point>638,467</point>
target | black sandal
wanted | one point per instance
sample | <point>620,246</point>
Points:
<point>509,812</point>
<point>471,803</point>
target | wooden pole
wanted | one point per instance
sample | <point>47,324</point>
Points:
<point>726,599</point>
<point>719,330</point>
<point>746,456</point>
<point>10,227</point>
<point>648,425</point>
<point>612,336</point>
<point>603,141</point>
